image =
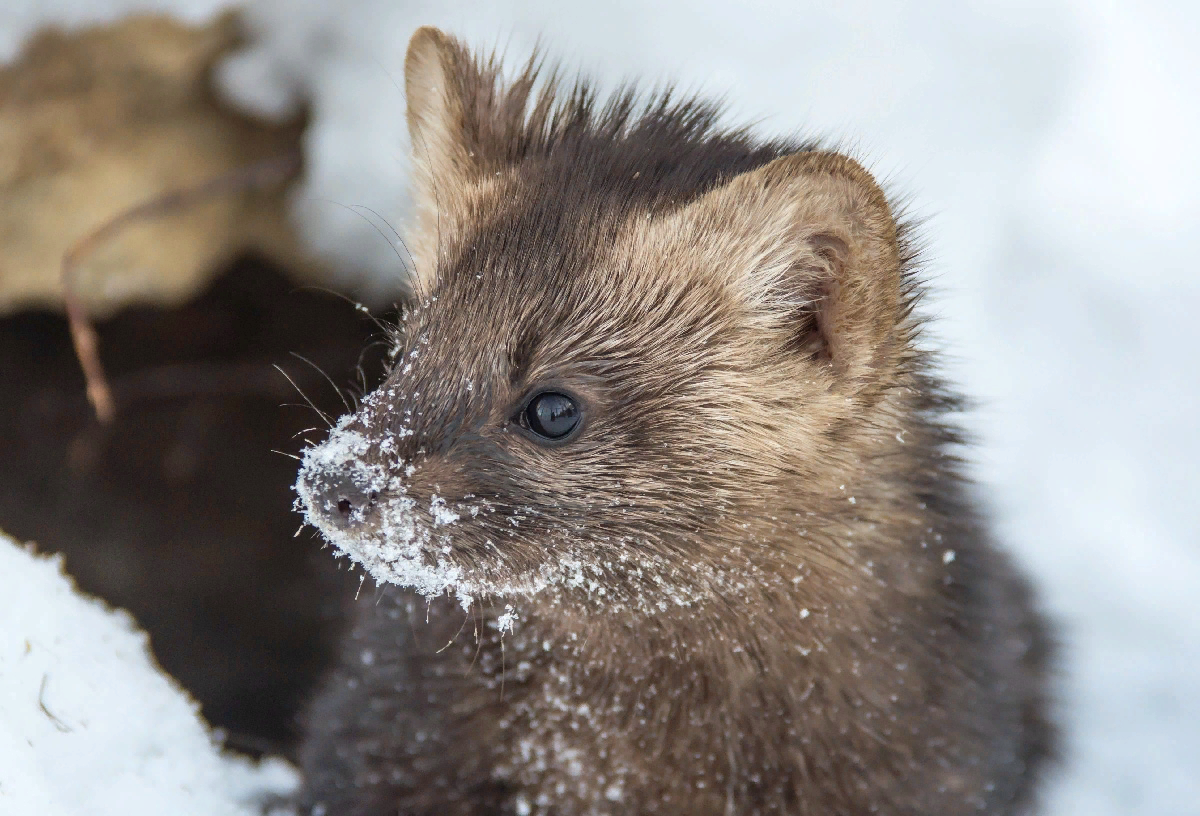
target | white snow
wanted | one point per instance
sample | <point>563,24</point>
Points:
<point>507,619</point>
<point>397,553</point>
<point>1052,147</point>
<point>89,725</point>
<point>442,514</point>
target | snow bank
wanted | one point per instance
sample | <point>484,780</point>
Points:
<point>89,725</point>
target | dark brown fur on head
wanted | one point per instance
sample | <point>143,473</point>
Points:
<point>751,580</point>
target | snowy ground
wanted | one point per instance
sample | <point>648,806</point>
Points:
<point>88,723</point>
<point>1051,146</point>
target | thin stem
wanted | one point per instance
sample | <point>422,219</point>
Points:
<point>83,335</point>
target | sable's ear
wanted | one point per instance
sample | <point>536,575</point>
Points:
<point>438,73</point>
<point>817,256</point>
<point>433,87</point>
<point>466,125</point>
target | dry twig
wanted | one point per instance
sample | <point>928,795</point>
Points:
<point>83,335</point>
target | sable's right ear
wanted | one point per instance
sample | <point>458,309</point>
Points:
<point>809,243</point>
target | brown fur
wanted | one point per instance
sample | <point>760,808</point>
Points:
<point>755,581</point>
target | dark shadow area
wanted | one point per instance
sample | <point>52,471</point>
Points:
<point>180,511</point>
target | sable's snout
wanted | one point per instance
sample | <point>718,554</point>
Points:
<point>342,501</point>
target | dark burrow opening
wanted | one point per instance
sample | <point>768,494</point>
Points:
<point>181,510</point>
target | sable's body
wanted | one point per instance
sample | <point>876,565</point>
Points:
<point>748,580</point>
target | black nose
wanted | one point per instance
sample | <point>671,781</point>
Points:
<point>344,502</point>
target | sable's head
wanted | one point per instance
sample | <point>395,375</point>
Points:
<point>638,342</point>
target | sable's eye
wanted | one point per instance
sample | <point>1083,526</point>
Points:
<point>551,415</point>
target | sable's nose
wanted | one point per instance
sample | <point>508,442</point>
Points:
<point>345,503</point>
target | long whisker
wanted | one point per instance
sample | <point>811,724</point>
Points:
<point>475,611</point>
<point>412,276</point>
<point>411,266</point>
<point>358,307</point>
<point>450,642</point>
<point>328,379</point>
<point>355,207</point>
<point>300,391</point>
<point>374,226</point>
<point>375,213</point>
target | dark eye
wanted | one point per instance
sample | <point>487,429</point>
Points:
<point>551,415</point>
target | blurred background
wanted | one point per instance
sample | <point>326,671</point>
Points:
<point>1048,148</point>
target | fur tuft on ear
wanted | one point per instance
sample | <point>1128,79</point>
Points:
<point>808,241</point>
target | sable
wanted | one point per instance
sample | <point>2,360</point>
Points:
<point>668,484</point>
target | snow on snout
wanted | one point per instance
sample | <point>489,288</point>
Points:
<point>396,543</point>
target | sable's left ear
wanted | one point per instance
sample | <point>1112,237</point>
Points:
<point>435,76</point>
<point>436,120</point>
<point>809,242</point>
<point>465,125</point>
